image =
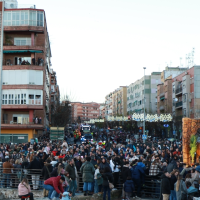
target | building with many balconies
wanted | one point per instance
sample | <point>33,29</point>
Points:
<point>84,111</point>
<point>119,101</point>
<point>26,77</point>
<point>135,94</point>
<point>186,97</point>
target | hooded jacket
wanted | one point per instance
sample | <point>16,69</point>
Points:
<point>129,186</point>
<point>137,172</point>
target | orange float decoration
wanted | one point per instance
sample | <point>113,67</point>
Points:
<point>191,128</point>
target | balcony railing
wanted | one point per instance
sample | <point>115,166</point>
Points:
<point>162,94</point>
<point>10,62</point>
<point>18,6</point>
<point>24,122</point>
<point>179,90</point>
<point>179,104</point>
<point>162,107</point>
<point>34,102</point>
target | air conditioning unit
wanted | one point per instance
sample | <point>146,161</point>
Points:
<point>190,100</point>
<point>186,73</point>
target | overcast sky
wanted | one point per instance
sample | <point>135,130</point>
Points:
<point>99,45</point>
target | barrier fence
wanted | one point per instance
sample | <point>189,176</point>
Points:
<point>13,177</point>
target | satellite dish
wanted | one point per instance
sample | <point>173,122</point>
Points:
<point>176,99</point>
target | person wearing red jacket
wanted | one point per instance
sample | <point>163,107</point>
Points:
<point>54,186</point>
<point>54,152</point>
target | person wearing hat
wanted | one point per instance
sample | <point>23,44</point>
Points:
<point>165,185</point>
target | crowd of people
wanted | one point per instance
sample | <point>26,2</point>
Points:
<point>114,160</point>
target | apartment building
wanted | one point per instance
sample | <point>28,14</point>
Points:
<point>119,101</point>
<point>85,111</point>
<point>171,71</point>
<point>54,93</point>
<point>108,105</point>
<point>26,78</point>
<point>102,111</point>
<point>135,94</point>
<point>164,96</point>
<point>186,96</point>
<point>164,90</point>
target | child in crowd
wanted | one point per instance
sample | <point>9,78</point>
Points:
<point>129,188</point>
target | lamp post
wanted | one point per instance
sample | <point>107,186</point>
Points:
<point>144,105</point>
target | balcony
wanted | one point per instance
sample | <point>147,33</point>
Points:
<point>179,90</point>
<point>162,107</point>
<point>162,94</point>
<point>23,125</point>
<point>23,49</point>
<point>179,104</point>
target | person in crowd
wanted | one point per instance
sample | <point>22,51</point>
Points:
<point>87,170</point>
<point>107,178</point>
<point>72,175</point>
<point>180,188</point>
<point>7,166</point>
<point>173,179</point>
<point>129,188</point>
<point>137,174</point>
<point>35,167</point>
<point>24,189</point>
<point>54,186</point>
<point>165,185</point>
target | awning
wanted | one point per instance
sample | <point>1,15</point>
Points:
<point>22,51</point>
<point>162,98</point>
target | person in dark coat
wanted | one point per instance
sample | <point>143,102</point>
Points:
<point>129,188</point>
<point>87,171</point>
<point>46,170</point>
<point>165,185</point>
<point>107,177</point>
<point>104,164</point>
<point>126,172</point>
<point>35,167</point>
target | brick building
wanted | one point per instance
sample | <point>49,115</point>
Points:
<point>85,111</point>
<point>26,73</point>
<point>186,96</point>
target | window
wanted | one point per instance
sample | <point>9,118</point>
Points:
<point>23,98</point>
<point>40,18</point>
<point>38,99</point>
<point>22,17</point>
<point>22,41</point>
<point>4,99</point>
<point>31,98</point>
<point>10,101</point>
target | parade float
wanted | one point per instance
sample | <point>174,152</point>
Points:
<point>191,140</point>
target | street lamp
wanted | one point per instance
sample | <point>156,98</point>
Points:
<point>144,103</point>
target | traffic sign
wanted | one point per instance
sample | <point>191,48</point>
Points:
<point>144,137</point>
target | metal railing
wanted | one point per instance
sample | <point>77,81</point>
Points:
<point>18,6</point>
<point>20,123</point>
<point>179,104</point>
<point>151,184</point>
<point>179,90</point>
